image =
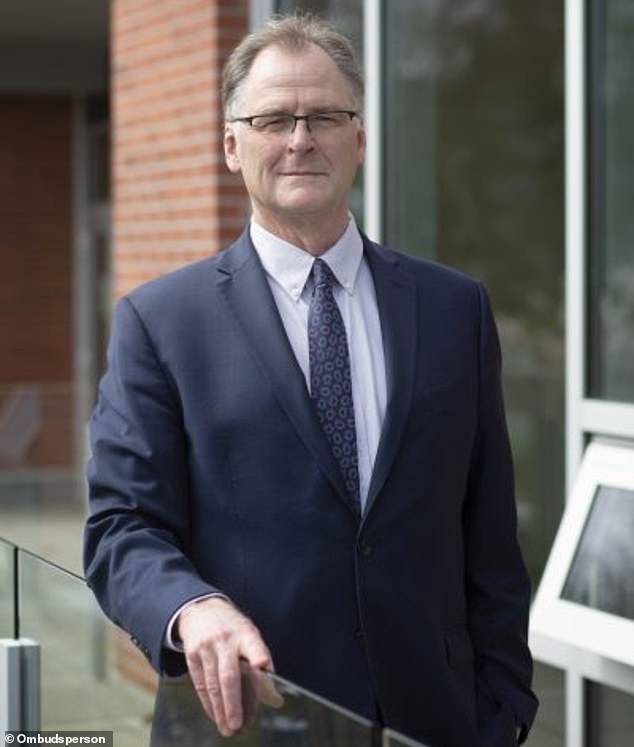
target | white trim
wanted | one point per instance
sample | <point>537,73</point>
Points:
<point>607,418</point>
<point>259,12</point>
<point>575,134</point>
<point>585,642</point>
<point>586,626</point>
<point>575,709</point>
<point>373,176</point>
<point>581,663</point>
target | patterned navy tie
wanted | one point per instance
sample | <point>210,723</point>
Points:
<point>330,383</point>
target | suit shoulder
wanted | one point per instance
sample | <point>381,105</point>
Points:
<point>428,270</point>
<point>177,289</point>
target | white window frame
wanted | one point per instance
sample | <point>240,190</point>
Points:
<point>583,627</point>
<point>585,418</point>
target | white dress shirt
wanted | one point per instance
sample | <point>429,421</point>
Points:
<point>287,269</point>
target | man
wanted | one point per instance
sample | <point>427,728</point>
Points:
<point>299,452</point>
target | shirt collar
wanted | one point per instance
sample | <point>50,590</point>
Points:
<point>290,266</point>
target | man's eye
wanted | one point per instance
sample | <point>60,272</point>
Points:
<point>328,120</point>
<point>325,120</point>
<point>270,123</point>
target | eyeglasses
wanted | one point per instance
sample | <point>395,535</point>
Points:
<point>284,124</point>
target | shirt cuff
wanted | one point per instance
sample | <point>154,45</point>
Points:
<point>171,640</point>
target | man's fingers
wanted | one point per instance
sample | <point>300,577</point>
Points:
<point>215,637</point>
<point>260,686</point>
<point>266,691</point>
<point>254,650</point>
<point>214,690</point>
<point>230,689</point>
<point>198,679</point>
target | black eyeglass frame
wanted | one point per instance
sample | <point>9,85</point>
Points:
<point>296,117</point>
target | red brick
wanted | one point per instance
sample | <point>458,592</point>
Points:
<point>35,265</point>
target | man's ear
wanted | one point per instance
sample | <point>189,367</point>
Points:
<point>231,149</point>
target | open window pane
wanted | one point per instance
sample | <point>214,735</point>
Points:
<point>602,572</point>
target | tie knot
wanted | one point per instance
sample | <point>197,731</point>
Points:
<point>322,274</point>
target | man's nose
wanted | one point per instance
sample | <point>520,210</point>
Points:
<point>300,137</point>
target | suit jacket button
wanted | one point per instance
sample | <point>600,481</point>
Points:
<point>365,548</point>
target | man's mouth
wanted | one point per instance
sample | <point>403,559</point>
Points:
<point>302,173</point>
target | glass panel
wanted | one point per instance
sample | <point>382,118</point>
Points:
<point>7,596</point>
<point>549,727</point>
<point>411,57</point>
<point>49,363</point>
<point>347,15</point>
<point>394,739</point>
<point>304,720</point>
<point>610,717</point>
<point>474,174</point>
<point>602,572</point>
<point>41,494</point>
<point>93,678</point>
<point>611,350</point>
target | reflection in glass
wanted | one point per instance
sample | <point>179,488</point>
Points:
<point>611,361</point>
<point>7,577</point>
<point>474,179</point>
<point>303,720</point>
<point>610,717</point>
<point>90,680</point>
<point>602,571</point>
<point>410,106</point>
<point>41,495</point>
<point>394,739</point>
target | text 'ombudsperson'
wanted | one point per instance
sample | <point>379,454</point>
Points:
<point>104,738</point>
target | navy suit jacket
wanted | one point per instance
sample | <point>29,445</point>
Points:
<point>210,472</point>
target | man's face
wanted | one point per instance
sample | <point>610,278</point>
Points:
<point>296,175</point>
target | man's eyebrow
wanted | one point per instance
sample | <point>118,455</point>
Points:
<point>272,112</point>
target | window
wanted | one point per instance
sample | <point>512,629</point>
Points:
<point>473,107</point>
<point>611,344</point>
<point>586,597</point>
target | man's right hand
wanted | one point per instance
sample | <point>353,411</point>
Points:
<point>216,636</point>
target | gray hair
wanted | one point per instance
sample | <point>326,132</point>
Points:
<point>294,33</point>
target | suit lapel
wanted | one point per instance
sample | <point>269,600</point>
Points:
<point>396,300</point>
<point>245,289</point>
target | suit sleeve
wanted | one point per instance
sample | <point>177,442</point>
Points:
<point>498,588</point>
<point>137,530</point>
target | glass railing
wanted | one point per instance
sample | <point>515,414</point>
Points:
<point>7,589</point>
<point>92,679</point>
<point>300,719</point>
<point>42,491</point>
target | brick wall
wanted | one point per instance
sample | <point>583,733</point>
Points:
<point>174,200</point>
<point>35,281</point>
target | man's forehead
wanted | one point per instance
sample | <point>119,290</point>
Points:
<point>280,78</point>
<point>309,66</point>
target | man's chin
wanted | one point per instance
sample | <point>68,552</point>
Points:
<point>303,205</point>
